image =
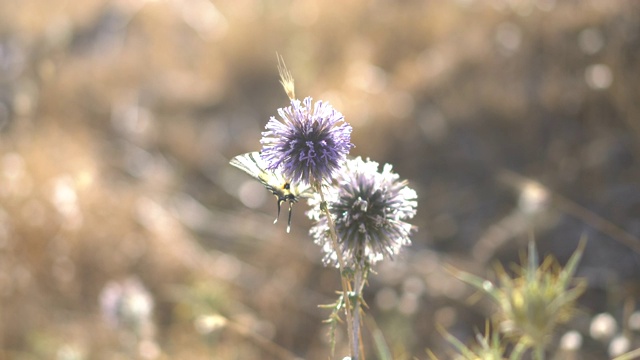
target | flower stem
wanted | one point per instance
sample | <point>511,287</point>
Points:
<point>538,352</point>
<point>353,336</point>
<point>518,350</point>
<point>358,283</point>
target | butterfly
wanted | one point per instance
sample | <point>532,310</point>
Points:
<point>252,164</point>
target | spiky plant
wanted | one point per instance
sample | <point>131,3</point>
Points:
<point>535,300</point>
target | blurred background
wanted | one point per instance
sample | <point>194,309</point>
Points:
<point>124,233</point>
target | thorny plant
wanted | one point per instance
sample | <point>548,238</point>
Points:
<point>360,215</point>
<point>533,302</point>
<point>359,212</point>
<point>488,347</point>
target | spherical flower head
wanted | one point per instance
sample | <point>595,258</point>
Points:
<point>309,145</point>
<point>369,209</point>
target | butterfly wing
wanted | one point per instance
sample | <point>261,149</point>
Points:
<point>252,164</point>
<point>304,191</point>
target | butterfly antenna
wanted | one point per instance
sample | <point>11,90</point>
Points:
<point>279,202</point>
<point>289,222</point>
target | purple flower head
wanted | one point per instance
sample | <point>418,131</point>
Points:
<point>309,145</point>
<point>369,209</point>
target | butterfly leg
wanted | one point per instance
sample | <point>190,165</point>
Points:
<point>289,222</point>
<point>277,216</point>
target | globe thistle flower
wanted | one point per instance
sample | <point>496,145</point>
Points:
<point>310,144</point>
<point>369,209</point>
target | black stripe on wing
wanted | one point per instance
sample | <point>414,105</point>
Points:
<point>252,164</point>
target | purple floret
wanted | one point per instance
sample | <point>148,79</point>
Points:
<point>311,143</point>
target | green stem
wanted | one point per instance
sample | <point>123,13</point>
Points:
<point>358,284</point>
<point>518,350</point>
<point>538,352</point>
<point>353,341</point>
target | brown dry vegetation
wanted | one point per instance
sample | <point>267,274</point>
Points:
<point>118,118</point>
